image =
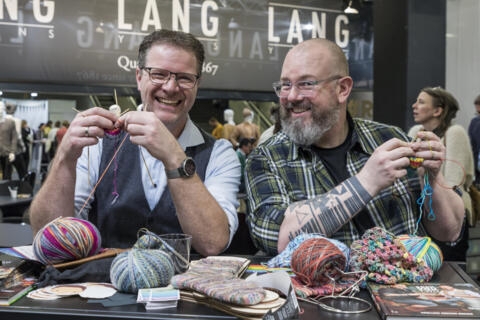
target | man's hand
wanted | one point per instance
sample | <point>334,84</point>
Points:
<point>387,163</point>
<point>11,157</point>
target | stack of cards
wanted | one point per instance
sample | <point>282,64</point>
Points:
<point>159,298</point>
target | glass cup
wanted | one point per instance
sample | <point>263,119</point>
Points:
<point>13,192</point>
<point>178,246</point>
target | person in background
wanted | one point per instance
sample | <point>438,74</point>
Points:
<point>474,135</point>
<point>27,137</point>
<point>61,132</point>
<point>326,172</point>
<point>47,128</point>
<point>51,144</point>
<point>8,143</point>
<point>275,127</point>
<point>246,129</point>
<point>434,110</point>
<point>19,162</point>
<point>245,146</point>
<point>169,175</point>
<point>217,131</point>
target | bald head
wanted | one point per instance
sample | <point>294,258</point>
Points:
<point>319,53</point>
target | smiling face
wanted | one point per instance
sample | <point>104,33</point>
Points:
<point>425,112</point>
<point>168,101</point>
<point>307,117</point>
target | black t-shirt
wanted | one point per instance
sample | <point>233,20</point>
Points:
<point>335,161</point>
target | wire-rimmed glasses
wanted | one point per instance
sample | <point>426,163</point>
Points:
<point>162,76</point>
<point>304,87</point>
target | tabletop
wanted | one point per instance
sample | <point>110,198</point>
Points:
<point>76,308</point>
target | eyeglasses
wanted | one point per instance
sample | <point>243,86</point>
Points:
<point>304,87</point>
<point>162,76</point>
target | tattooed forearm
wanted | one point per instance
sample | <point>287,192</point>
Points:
<point>328,212</point>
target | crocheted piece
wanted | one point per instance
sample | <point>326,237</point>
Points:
<point>217,278</point>
<point>386,259</point>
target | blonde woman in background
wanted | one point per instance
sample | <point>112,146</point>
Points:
<point>434,111</point>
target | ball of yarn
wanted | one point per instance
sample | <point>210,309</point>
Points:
<point>66,239</point>
<point>141,268</point>
<point>425,249</point>
<point>317,261</point>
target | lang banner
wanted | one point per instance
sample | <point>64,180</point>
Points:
<point>95,43</point>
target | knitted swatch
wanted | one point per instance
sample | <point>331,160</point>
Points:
<point>217,278</point>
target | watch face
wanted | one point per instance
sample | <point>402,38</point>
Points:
<point>189,167</point>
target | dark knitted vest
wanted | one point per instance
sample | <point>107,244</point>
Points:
<point>119,218</point>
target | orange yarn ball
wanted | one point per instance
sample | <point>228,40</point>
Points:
<point>317,261</point>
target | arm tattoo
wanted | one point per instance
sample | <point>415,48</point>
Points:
<point>328,212</point>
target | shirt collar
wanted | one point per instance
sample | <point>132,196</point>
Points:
<point>190,136</point>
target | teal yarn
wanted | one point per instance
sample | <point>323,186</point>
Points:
<point>141,268</point>
<point>66,239</point>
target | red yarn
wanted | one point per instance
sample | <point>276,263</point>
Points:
<point>316,261</point>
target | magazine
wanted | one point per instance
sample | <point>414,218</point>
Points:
<point>426,300</point>
<point>12,294</point>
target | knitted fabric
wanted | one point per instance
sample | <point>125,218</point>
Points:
<point>386,259</point>
<point>217,278</point>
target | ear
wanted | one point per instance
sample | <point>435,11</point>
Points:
<point>138,76</point>
<point>438,111</point>
<point>344,88</point>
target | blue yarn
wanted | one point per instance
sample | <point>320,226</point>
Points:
<point>427,193</point>
<point>141,268</point>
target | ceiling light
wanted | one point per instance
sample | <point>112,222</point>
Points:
<point>349,9</point>
<point>34,94</point>
<point>1,93</point>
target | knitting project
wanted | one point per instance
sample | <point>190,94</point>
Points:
<point>283,259</point>
<point>217,278</point>
<point>386,259</point>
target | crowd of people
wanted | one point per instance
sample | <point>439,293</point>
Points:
<point>316,170</point>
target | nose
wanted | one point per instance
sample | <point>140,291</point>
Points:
<point>171,82</point>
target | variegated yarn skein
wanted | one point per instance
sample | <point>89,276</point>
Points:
<point>144,266</point>
<point>66,239</point>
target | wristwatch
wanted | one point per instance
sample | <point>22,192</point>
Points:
<point>186,170</point>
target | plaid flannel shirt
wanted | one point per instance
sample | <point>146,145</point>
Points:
<point>279,173</point>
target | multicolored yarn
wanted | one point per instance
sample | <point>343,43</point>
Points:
<point>216,278</point>
<point>66,239</point>
<point>423,248</point>
<point>386,259</point>
<point>319,265</point>
<point>284,258</point>
<point>146,265</point>
<point>141,268</point>
<point>317,262</point>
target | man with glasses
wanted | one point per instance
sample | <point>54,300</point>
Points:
<point>160,171</point>
<point>328,173</point>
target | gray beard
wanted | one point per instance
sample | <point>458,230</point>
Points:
<point>307,135</point>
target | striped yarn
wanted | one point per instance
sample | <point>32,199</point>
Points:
<point>425,249</point>
<point>66,239</point>
<point>141,268</point>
